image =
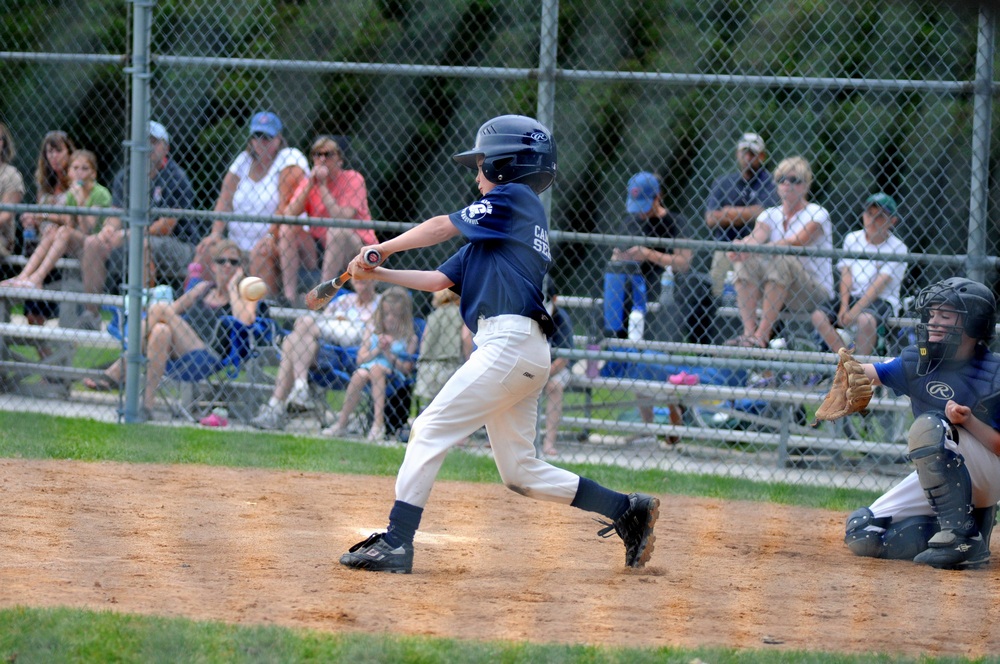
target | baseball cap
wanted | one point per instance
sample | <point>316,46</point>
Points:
<point>752,142</point>
<point>642,189</point>
<point>158,131</point>
<point>265,123</point>
<point>884,201</point>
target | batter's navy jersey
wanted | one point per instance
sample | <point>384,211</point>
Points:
<point>974,383</point>
<point>500,270</point>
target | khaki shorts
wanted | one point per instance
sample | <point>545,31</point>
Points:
<point>804,292</point>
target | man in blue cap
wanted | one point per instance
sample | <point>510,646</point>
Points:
<point>634,271</point>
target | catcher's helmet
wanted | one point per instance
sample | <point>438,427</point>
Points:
<point>970,299</point>
<point>515,148</point>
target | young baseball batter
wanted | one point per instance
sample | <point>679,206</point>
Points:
<point>942,513</point>
<point>499,276</point>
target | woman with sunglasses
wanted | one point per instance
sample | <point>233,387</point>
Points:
<point>776,281</point>
<point>259,182</point>
<point>331,191</point>
<point>187,329</point>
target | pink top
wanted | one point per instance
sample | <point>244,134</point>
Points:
<point>349,190</point>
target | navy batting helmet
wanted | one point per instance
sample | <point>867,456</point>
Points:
<point>514,148</point>
<point>973,301</point>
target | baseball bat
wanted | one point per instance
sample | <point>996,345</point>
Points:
<point>321,294</point>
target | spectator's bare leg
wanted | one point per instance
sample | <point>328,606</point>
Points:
<point>827,331</point>
<point>264,262</point>
<point>43,251</point>
<point>288,259</point>
<point>775,296</point>
<point>342,244</point>
<point>168,336</point>
<point>378,380</point>
<point>306,345</point>
<point>157,354</point>
<point>352,396</point>
<point>747,297</point>
<point>57,249</point>
<point>94,265</point>
<point>867,335</point>
<point>553,415</point>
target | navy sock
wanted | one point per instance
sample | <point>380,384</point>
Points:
<point>593,497</point>
<point>404,519</point>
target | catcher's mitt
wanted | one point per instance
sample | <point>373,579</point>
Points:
<point>850,393</point>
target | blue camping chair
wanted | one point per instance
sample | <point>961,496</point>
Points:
<point>333,368</point>
<point>198,381</point>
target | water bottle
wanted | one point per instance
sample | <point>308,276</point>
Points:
<point>30,241</point>
<point>636,325</point>
<point>667,285</point>
<point>729,290</point>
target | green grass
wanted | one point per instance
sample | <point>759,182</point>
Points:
<point>29,435</point>
<point>68,635</point>
<point>72,635</point>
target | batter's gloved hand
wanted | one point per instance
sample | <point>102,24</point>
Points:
<point>850,393</point>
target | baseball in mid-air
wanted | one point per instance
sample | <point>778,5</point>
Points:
<point>252,288</point>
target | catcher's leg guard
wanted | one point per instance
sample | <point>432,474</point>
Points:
<point>862,540</point>
<point>948,488</point>
<point>883,538</point>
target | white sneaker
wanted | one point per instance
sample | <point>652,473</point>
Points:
<point>333,431</point>
<point>269,418</point>
<point>299,400</point>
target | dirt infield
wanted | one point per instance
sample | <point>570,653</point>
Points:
<point>256,546</point>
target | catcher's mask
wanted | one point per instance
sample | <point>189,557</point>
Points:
<point>976,308</point>
<point>514,148</point>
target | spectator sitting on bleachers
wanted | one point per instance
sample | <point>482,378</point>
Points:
<point>386,349</point>
<point>168,240</point>
<point>259,182</point>
<point>187,328</point>
<point>70,230</point>
<point>779,281</point>
<point>445,345</point>
<point>52,180</point>
<point>11,190</point>
<point>330,191</point>
<point>869,287</point>
<point>342,323</point>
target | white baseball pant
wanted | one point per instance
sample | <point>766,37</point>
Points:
<point>907,499</point>
<point>498,387</point>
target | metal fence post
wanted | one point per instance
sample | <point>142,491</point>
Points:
<point>138,193</point>
<point>980,163</point>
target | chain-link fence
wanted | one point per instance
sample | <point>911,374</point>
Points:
<point>841,145</point>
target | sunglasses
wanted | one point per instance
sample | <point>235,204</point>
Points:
<point>227,261</point>
<point>329,154</point>
<point>260,134</point>
<point>790,180</point>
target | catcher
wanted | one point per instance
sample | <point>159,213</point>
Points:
<point>942,513</point>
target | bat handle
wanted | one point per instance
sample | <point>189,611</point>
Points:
<point>373,257</point>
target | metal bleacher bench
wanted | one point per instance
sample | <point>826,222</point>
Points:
<point>784,435</point>
<point>62,340</point>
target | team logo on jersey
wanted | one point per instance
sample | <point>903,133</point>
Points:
<point>940,390</point>
<point>477,211</point>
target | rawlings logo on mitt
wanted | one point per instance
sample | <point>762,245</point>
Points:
<point>850,393</point>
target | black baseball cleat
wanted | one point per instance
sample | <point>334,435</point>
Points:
<point>376,555</point>
<point>948,550</point>
<point>635,527</point>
